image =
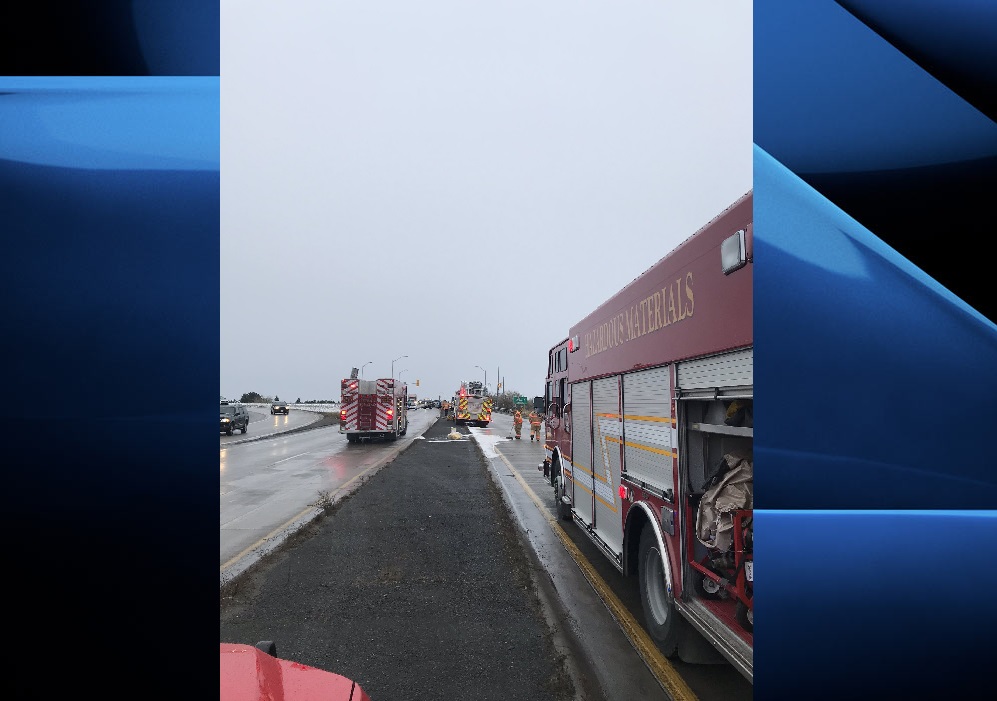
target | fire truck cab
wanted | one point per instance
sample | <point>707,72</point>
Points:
<point>649,437</point>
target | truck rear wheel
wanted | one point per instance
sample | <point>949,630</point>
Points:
<point>659,610</point>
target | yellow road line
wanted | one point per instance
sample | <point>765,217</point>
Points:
<point>232,560</point>
<point>669,679</point>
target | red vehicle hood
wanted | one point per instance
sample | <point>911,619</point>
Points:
<point>249,674</point>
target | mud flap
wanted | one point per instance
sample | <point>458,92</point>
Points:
<point>694,648</point>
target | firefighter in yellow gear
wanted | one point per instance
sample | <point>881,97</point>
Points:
<point>517,424</point>
<point>535,422</point>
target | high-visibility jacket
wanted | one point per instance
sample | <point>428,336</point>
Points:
<point>535,419</point>
<point>517,418</point>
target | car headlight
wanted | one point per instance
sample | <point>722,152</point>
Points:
<point>225,420</point>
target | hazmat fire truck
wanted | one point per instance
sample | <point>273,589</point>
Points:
<point>648,438</point>
<point>472,405</point>
<point>373,409</point>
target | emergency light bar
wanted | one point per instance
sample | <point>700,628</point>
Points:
<point>732,255</point>
<point>573,344</point>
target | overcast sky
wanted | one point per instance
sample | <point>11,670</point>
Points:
<point>460,182</point>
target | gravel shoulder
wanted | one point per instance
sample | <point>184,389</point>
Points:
<point>416,586</point>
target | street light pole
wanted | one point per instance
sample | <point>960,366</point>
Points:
<point>393,365</point>
<point>363,366</point>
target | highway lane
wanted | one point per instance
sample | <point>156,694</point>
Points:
<point>261,423</point>
<point>416,587</point>
<point>270,487</point>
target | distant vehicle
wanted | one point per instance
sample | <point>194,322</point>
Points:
<point>231,417</point>
<point>473,405</point>
<point>255,673</point>
<point>279,408</point>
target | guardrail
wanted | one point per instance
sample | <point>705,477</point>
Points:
<point>318,408</point>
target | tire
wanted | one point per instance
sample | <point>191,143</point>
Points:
<point>229,431</point>
<point>660,615</point>
<point>351,438</point>
<point>267,646</point>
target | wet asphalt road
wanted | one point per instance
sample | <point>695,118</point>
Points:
<point>415,587</point>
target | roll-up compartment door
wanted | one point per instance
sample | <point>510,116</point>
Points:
<point>607,462</point>
<point>581,450</point>
<point>648,452</point>
<point>727,370</point>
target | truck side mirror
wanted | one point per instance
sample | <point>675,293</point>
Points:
<point>538,405</point>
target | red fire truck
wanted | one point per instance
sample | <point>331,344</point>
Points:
<point>648,437</point>
<point>373,409</point>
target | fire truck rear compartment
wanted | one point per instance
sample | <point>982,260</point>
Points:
<point>367,413</point>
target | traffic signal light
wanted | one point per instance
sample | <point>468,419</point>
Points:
<point>417,383</point>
